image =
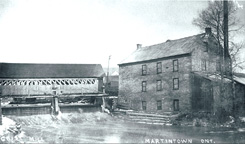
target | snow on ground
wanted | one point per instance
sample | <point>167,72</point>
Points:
<point>62,118</point>
<point>6,136</point>
<point>6,123</point>
<point>48,128</point>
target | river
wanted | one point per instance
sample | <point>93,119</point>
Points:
<point>105,129</point>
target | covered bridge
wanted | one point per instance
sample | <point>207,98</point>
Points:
<point>33,83</point>
<point>19,79</point>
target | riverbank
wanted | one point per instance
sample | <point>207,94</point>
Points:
<point>208,120</point>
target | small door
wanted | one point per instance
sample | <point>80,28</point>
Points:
<point>176,105</point>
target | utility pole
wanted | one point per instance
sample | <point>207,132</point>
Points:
<point>221,60</point>
<point>107,80</point>
<point>107,86</point>
<point>228,60</point>
<point>226,45</point>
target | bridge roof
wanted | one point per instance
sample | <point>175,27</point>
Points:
<point>37,70</point>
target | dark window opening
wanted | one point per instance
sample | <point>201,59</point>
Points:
<point>30,100</point>
<point>175,65</point>
<point>204,65</point>
<point>17,99</point>
<point>144,69</point>
<point>159,67</point>
<point>206,47</point>
<point>144,86</point>
<point>54,92</point>
<point>176,105</point>
<point>159,85</point>
<point>218,66</point>
<point>159,105</point>
<point>175,83</point>
<point>144,105</point>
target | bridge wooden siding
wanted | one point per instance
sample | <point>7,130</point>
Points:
<point>35,87</point>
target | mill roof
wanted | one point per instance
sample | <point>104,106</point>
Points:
<point>167,49</point>
<point>35,70</point>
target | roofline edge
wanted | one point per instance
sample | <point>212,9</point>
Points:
<point>152,60</point>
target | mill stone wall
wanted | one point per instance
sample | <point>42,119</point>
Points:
<point>130,85</point>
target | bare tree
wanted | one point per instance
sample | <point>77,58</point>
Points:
<point>214,17</point>
<point>235,49</point>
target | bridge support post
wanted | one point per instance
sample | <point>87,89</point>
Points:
<point>55,102</point>
<point>103,104</point>
<point>55,105</point>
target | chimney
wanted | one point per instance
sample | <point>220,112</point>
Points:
<point>208,31</point>
<point>139,46</point>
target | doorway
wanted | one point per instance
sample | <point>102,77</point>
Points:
<point>176,104</point>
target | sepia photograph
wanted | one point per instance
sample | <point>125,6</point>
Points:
<point>122,71</point>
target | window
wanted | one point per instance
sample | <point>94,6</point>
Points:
<point>175,65</point>
<point>218,66</point>
<point>176,105</point>
<point>204,65</point>
<point>206,47</point>
<point>144,105</point>
<point>144,70</point>
<point>54,92</point>
<point>143,86</point>
<point>159,85</point>
<point>175,83</point>
<point>159,105</point>
<point>159,67</point>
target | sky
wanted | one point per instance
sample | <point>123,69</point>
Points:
<point>89,31</point>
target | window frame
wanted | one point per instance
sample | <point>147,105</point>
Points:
<point>175,84</point>
<point>175,65</point>
<point>159,107</point>
<point>159,88</point>
<point>143,86</point>
<point>159,67</point>
<point>144,69</point>
<point>144,105</point>
<point>204,65</point>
